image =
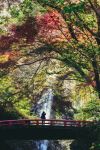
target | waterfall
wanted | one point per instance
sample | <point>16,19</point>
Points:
<point>44,104</point>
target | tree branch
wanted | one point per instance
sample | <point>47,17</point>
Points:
<point>85,25</point>
<point>41,59</point>
<point>93,7</point>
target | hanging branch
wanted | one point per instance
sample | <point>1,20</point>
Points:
<point>41,59</point>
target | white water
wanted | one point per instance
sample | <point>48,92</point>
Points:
<point>44,104</point>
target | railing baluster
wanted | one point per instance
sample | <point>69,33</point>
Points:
<point>37,122</point>
<point>51,122</point>
<point>64,123</point>
<point>10,123</point>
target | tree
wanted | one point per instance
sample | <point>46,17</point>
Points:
<point>83,22</point>
<point>68,32</point>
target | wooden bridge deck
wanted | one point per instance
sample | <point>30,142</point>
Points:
<point>50,129</point>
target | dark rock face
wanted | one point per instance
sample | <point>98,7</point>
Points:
<point>59,145</point>
<point>4,146</point>
<point>54,145</point>
<point>18,145</point>
<point>80,145</point>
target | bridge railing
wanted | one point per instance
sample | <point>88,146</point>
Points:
<point>50,122</point>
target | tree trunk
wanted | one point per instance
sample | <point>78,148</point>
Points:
<point>97,78</point>
<point>98,33</point>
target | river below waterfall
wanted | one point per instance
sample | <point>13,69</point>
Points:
<point>32,145</point>
<point>52,145</point>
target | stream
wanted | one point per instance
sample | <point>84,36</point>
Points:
<point>44,104</point>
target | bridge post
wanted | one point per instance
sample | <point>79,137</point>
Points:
<point>64,123</point>
<point>37,122</point>
<point>9,123</point>
<point>79,124</point>
<point>51,122</point>
<point>27,122</point>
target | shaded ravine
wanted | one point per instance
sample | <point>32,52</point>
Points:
<point>45,104</point>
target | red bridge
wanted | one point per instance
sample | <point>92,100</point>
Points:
<point>45,129</point>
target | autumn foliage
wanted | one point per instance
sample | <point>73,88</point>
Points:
<point>28,30</point>
<point>43,26</point>
<point>49,27</point>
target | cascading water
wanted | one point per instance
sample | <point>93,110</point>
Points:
<point>44,104</point>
